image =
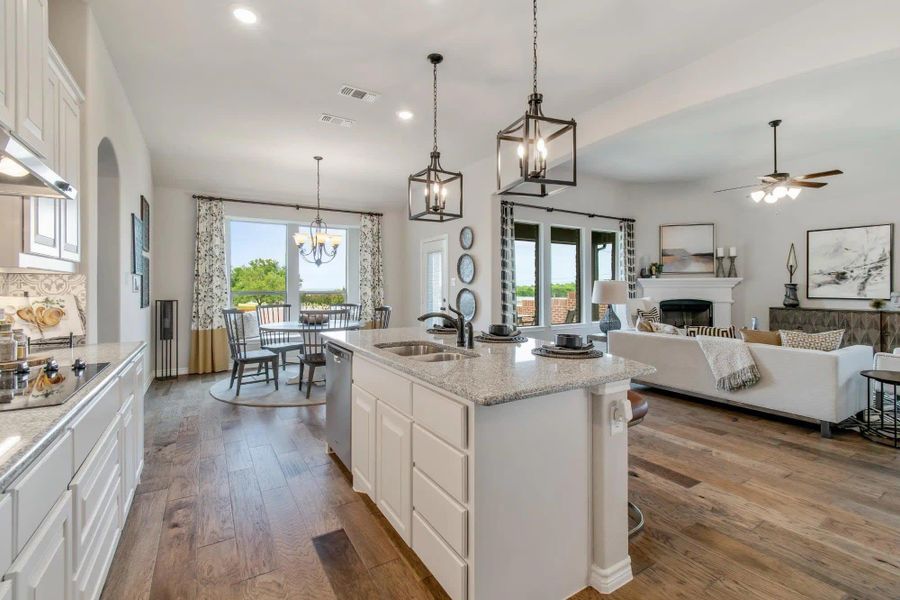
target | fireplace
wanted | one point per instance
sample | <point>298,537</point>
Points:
<point>686,312</point>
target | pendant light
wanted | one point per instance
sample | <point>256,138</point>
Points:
<point>435,194</point>
<point>317,246</point>
<point>526,148</point>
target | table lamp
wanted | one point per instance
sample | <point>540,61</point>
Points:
<point>610,293</point>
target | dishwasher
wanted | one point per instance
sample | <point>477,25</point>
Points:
<point>338,384</point>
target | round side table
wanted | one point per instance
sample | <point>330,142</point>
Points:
<point>880,417</point>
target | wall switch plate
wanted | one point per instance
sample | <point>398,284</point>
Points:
<point>453,282</point>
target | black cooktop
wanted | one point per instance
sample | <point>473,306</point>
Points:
<point>44,388</point>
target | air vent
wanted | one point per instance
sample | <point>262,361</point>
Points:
<point>359,94</point>
<point>333,120</point>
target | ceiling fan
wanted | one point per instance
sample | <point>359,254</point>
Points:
<point>775,186</point>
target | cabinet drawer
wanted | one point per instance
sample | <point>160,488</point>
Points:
<point>384,385</point>
<point>6,532</point>
<point>446,516</point>
<point>93,485</point>
<point>449,569</point>
<point>441,416</point>
<point>444,464</point>
<point>91,574</point>
<point>40,487</point>
<point>93,421</point>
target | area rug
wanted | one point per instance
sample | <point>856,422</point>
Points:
<point>264,395</point>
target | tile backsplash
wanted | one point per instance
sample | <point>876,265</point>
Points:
<point>44,284</point>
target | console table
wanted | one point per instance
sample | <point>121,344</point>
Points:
<point>877,328</point>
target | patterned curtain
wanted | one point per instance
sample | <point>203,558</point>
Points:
<point>371,266</point>
<point>507,264</point>
<point>209,343</point>
<point>626,256</point>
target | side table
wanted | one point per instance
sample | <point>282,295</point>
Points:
<point>879,419</point>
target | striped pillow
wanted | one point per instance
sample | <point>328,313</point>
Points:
<point>651,315</point>
<point>723,332</point>
<point>827,341</point>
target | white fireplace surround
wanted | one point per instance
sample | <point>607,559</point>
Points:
<point>718,290</point>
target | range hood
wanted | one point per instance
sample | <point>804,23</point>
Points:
<point>23,173</point>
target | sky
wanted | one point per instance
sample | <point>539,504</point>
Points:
<point>251,240</point>
<point>562,264</point>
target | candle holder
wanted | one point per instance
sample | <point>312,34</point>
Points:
<point>732,270</point>
<point>720,266</point>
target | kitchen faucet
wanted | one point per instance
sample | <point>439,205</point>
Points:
<point>464,330</point>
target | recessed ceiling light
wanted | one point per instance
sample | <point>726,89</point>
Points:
<point>245,16</point>
<point>404,115</point>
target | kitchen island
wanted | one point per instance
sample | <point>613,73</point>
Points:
<point>506,473</point>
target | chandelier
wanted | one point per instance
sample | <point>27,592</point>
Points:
<point>525,148</point>
<point>435,194</point>
<point>317,246</point>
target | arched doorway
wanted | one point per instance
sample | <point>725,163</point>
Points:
<point>109,265</point>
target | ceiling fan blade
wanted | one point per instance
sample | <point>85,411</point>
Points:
<point>822,174</point>
<point>740,187</point>
<point>808,184</point>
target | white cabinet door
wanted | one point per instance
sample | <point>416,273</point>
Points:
<point>127,440</point>
<point>68,165</point>
<point>393,468</point>
<point>32,51</point>
<point>8,63</point>
<point>41,226</point>
<point>44,567</point>
<point>362,442</point>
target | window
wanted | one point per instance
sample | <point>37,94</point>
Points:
<point>325,285</point>
<point>257,253</point>
<point>565,275</point>
<point>603,262</point>
<point>526,274</point>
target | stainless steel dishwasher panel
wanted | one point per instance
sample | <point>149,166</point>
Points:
<point>338,384</point>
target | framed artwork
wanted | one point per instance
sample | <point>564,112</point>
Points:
<point>145,282</point>
<point>137,244</point>
<point>850,262</point>
<point>688,249</point>
<point>145,219</point>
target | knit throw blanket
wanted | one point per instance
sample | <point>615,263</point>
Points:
<point>731,362</point>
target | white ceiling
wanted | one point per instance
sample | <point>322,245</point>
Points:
<point>231,109</point>
<point>848,104</point>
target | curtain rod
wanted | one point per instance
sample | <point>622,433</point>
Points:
<point>567,211</point>
<point>283,205</point>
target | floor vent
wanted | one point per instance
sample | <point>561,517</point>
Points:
<point>334,120</point>
<point>359,94</point>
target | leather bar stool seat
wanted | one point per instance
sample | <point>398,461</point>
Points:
<point>639,409</point>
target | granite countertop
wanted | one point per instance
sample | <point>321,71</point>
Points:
<point>24,434</point>
<point>501,373</point>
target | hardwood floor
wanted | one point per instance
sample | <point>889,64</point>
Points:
<point>240,502</point>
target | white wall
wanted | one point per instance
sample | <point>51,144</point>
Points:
<point>173,243</point>
<point>865,195</point>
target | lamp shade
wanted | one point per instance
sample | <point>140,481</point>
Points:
<point>610,292</point>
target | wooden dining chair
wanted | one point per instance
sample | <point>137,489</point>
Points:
<point>382,317</point>
<point>278,342</point>
<point>313,356</point>
<point>241,356</point>
<point>355,310</point>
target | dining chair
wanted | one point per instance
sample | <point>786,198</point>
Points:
<point>382,317</point>
<point>313,356</point>
<point>355,310</point>
<point>278,342</point>
<point>241,355</point>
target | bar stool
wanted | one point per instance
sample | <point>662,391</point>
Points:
<point>639,408</point>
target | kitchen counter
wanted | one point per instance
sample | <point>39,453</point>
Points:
<point>501,373</point>
<point>24,434</point>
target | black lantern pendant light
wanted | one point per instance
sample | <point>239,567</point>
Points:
<point>435,194</point>
<point>526,148</point>
<point>317,246</point>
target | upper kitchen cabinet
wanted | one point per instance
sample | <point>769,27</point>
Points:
<point>32,77</point>
<point>66,153</point>
<point>8,63</point>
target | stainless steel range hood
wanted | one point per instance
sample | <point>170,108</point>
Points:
<point>23,173</point>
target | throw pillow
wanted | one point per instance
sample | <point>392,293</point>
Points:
<point>827,341</point>
<point>645,326</point>
<point>651,315</point>
<point>754,336</point>
<point>723,332</point>
<point>665,328</point>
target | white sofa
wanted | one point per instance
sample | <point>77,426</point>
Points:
<point>807,384</point>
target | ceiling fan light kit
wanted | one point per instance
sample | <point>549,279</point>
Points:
<point>527,148</point>
<point>777,185</point>
<point>434,193</point>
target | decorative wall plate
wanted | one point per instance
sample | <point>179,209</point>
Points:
<point>465,268</point>
<point>466,303</point>
<point>466,237</point>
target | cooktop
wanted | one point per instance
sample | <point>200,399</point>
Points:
<point>40,387</point>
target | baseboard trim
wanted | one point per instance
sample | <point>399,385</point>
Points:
<point>608,580</point>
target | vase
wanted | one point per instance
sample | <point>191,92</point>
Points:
<point>791,300</point>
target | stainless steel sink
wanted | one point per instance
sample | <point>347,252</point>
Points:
<point>414,349</point>
<point>426,351</point>
<point>442,357</point>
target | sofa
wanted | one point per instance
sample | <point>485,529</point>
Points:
<point>811,385</point>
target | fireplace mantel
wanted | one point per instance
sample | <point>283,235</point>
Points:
<point>718,290</point>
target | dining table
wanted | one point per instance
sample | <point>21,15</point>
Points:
<point>299,327</point>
